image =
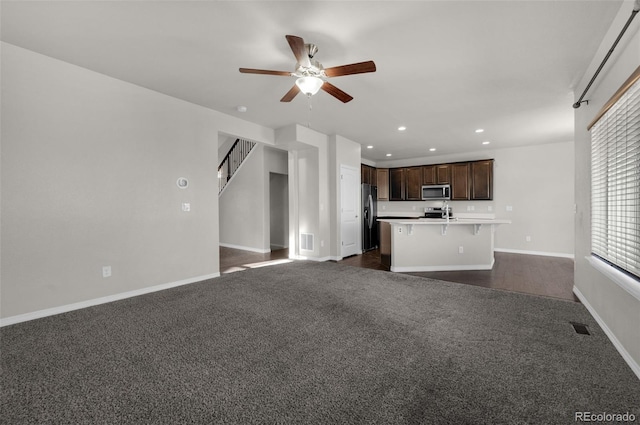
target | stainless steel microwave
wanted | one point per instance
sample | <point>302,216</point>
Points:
<point>436,192</point>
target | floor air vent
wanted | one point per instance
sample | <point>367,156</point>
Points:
<point>580,328</point>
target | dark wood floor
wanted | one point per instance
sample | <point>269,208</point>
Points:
<point>529,274</point>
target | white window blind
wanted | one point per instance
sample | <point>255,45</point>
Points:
<point>615,184</point>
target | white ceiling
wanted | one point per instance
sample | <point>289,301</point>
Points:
<point>444,68</point>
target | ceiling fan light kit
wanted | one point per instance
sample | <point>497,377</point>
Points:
<point>309,85</point>
<point>311,75</point>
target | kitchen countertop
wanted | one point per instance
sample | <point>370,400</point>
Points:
<point>437,244</point>
<point>452,220</point>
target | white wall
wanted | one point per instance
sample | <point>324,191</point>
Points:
<point>617,310</point>
<point>536,181</point>
<point>89,169</point>
<point>245,202</point>
<point>88,173</point>
<point>309,201</point>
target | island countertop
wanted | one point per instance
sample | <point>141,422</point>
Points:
<point>438,244</point>
<point>452,220</point>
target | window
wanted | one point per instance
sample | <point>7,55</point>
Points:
<point>615,181</point>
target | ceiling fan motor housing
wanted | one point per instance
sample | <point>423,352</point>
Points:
<point>312,49</point>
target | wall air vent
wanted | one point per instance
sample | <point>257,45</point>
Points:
<point>306,241</point>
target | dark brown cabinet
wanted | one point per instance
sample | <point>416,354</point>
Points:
<point>368,175</point>
<point>429,174</point>
<point>482,180</point>
<point>413,184</point>
<point>469,180</point>
<point>460,181</point>
<point>382,179</point>
<point>405,184</point>
<point>443,174</point>
<point>396,184</point>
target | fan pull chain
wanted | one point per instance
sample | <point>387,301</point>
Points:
<point>309,119</point>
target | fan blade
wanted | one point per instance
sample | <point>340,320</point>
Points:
<point>336,92</point>
<point>299,50</point>
<point>354,68</point>
<point>291,94</point>
<point>264,71</point>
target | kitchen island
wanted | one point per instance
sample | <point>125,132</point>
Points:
<point>437,244</point>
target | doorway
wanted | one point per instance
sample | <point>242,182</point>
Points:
<point>278,211</point>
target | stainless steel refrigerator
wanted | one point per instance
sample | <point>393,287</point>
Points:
<point>369,217</point>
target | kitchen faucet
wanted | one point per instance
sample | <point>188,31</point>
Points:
<point>445,207</point>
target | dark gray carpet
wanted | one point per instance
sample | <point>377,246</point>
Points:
<point>314,343</point>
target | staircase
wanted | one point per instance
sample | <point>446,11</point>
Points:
<point>232,161</point>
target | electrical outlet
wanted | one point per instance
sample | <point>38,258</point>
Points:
<point>399,229</point>
<point>322,244</point>
<point>473,207</point>
<point>186,206</point>
<point>106,271</point>
<point>460,250</point>
<point>489,208</point>
<point>528,238</point>
<point>509,208</point>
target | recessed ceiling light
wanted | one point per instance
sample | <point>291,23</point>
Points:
<point>388,154</point>
<point>432,149</point>
<point>480,130</point>
<point>369,147</point>
<point>402,128</point>
<point>486,142</point>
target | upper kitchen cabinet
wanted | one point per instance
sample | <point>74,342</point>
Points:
<point>443,174</point>
<point>382,179</point>
<point>482,180</point>
<point>429,174</point>
<point>405,184</point>
<point>413,184</point>
<point>469,181</point>
<point>396,184</point>
<point>460,181</point>
<point>368,175</point>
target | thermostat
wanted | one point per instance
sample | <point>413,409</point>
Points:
<point>182,183</point>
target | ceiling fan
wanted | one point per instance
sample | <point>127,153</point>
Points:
<point>311,75</point>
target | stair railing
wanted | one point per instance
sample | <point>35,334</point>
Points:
<point>232,161</point>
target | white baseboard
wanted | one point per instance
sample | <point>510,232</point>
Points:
<point>441,268</point>
<point>245,248</point>
<point>302,257</point>
<point>543,253</point>
<point>633,364</point>
<point>102,300</point>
